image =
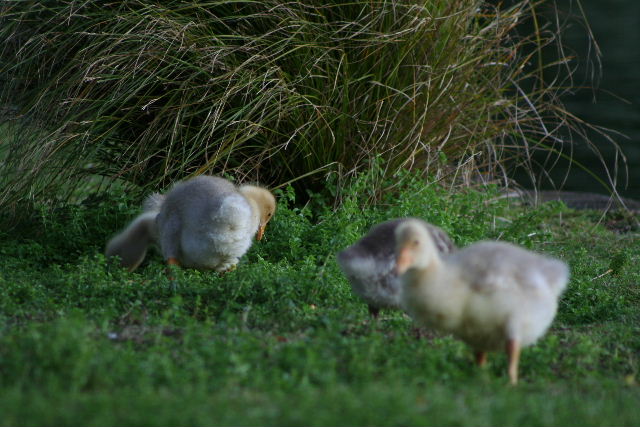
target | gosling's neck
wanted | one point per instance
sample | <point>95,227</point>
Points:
<point>428,260</point>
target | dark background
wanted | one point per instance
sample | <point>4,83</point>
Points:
<point>611,100</point>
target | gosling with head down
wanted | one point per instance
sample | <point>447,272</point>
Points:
<point>491,295</point>
<point>205,223</point>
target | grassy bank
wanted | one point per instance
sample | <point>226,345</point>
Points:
<point>282,341</point>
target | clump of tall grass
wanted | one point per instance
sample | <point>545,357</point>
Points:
<point>148,92</point>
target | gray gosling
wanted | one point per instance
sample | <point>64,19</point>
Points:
<point>205,223</point>
<point>370,264</point>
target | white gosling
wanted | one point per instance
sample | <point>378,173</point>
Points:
<point>370,264</point>
<point>491,295</point>
<point>204,223</point>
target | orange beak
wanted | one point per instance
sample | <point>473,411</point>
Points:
<point>260,231</point>
<point>403,261</point>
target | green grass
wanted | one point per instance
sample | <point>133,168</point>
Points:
<point>282,340</point>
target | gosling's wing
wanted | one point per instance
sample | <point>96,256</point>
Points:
<point>204,207</point>
<point>502,267</point>
<point>233,217</point>
<point>556,274</point>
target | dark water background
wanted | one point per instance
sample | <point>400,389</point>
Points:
<point>615,102</point>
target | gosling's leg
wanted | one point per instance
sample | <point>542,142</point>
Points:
<point>374,312</point>
<point>172,261</point>
<point>228,270</point>
<point>513,354</point>
<point>481,358</point>
<point>225,265</point>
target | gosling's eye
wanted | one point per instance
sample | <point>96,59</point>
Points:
<point>416,243</point>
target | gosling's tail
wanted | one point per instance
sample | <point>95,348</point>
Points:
<point>131,244</point>
<point>153,202</point>
<point>557,274</point>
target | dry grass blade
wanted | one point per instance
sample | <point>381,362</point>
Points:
<point>149,92</point>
